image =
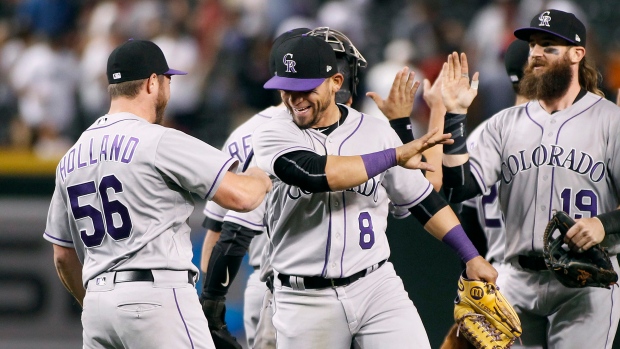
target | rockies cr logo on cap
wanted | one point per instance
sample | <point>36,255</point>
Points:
<point>544,19</point>
<point>289,63</point>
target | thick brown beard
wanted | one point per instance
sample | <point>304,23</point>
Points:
<point>551,84</point>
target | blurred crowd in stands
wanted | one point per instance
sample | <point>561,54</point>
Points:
<point>53,55</point>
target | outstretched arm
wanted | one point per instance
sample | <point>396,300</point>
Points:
<point>457,95</point>
<point>345,172</point>
<point>432,96</point>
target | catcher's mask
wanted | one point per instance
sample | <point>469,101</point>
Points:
<point>350,60</point>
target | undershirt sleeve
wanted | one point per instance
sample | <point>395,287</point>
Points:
<point>303,169</point>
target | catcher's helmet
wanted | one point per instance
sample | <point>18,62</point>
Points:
<point>349,60</point>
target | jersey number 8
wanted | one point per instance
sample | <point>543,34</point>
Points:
<point>102,222</point>
<point>367,235</point>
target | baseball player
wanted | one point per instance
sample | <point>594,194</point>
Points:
<point>555,152</point>
<point>326,217</point>
<point>222,264</point>
<point>118,216</point>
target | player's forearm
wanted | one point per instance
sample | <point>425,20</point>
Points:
<point>445,226</point>
<point>69,271</point>
<point>344,172</point>
<point>434,155</point>
<point>441,222</point>
<point>242,192</point>
<point>454,160</point>
<point>207,247</point>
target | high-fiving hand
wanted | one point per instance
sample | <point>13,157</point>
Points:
<point>456,91</point>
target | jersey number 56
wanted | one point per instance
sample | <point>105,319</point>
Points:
<point>103,222</point>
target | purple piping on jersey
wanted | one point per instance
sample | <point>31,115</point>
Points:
<point>344,204</point>
<point>611,320</point>
<point>108,125</point>
<point>557,138</point>
<point>416,200</point>
<point>344,207</point>
<point>213,213</point>
<point>245,221</point>
<point>478,174</point>
<point>57,239</point>
<point>182,319</point>
<point>265,116</point>
<point>351,135</point>
<point>542,132</point>
<point>218,175</point>
<point>329,237</point>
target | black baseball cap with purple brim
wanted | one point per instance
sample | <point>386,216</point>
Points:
<point>558,23</point>
<point>302,63</point>
<point>280,39</point>
<point>136,60</point>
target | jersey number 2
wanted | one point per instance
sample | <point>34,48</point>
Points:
<point>367,235</point>
<point>102,222</point>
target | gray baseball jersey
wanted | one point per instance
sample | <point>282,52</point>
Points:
<point>333,234</point>
<point>488,209</point>
<point>567,160</point>
<point>123,195</point>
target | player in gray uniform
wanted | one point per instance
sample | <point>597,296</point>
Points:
<point>118,216</point>
<point>327,216</point>
<point>559,151</point>
<point>230,247</point>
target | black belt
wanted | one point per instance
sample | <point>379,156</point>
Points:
<point>532,263</point>
<point>142,275</point>
<point>256,267</point>
<point>315,282</point>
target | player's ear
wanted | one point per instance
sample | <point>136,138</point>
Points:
<point>576,53</point>
<point>337,80</point>
<point>151,83</point>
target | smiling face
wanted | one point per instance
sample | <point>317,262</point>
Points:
<point>314,108</point>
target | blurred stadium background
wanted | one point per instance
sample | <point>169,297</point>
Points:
<point>53,85</point>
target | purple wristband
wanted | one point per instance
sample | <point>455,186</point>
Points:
<point>458,240</point>
<point>379,162</point>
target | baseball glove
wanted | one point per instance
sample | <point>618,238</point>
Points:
<point>484,316</point>
<point>591,268</point>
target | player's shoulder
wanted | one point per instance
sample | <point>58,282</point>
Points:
<point>258,119</point>
<point>366,120</point>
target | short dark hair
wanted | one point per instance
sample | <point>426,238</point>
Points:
<point>129,89</point>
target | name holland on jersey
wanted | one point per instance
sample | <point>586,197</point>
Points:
<point>119,149</point>
<point>555,156</point>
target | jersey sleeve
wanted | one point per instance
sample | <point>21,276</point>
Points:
<point>191,163</point>
<point>485,154</point>
<point>214,211</point>
<point>614,150</point>
<point>57,230</point>
<point>274,139</point>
